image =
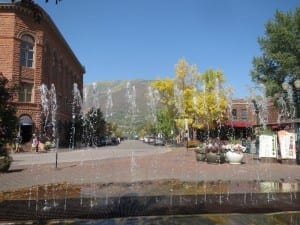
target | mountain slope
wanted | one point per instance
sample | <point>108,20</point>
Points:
<point>125,102</point>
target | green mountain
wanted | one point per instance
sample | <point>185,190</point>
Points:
<point>127,103</point>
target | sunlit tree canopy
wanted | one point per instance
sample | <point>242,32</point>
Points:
<point>193,99</point>
<point>280,46</point>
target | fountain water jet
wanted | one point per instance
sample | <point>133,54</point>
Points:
<point>77,105</point>
<point>132,111</point>
<point>109,104</point>
<point>49,107</point>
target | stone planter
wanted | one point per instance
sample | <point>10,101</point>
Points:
<point>5,162</point>
<point>234,157</point>
<point>200,155</point>
<point>212,157</point>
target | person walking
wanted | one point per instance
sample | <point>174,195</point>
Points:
<point>35,143</point>
<point>18,142</point>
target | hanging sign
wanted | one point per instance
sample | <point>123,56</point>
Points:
<point>287,144</point>
<point>268,146</point>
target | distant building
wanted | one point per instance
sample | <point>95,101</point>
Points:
<point>244,118</point>
<point>34,52</point>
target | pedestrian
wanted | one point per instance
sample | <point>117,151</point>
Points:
<point>18,142</point>
<point>248,144</point>
<point>35,143</point>
<point>257,144</point>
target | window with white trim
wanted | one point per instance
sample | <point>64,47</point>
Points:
<point>25,93</point>
<point>27,50</point>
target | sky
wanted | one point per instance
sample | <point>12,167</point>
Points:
<point>144,39</point>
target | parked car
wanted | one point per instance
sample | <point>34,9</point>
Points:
<point>108,141</point>
<point>151,140</point>
<point>115,141</point>
<point>136,137</point>
<point>159,141</point>
<point>99,141</point>
<point>146,139</point>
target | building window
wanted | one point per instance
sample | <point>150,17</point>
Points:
<point>234,114</point>
<point>244,114</point>
<point>27,45</point>
<point>25,94</point>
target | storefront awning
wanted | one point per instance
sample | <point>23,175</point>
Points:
<point>25,120</point>
<point>238,124</point>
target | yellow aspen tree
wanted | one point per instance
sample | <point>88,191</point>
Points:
<point>211,100</point>
<point>186,81</point>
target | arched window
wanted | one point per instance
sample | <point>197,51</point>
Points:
<point>27,46</point>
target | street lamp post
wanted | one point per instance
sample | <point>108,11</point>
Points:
<point>257,125</point>
<point>296,119</point>
<point>186,132</point>
<point>256,111</point>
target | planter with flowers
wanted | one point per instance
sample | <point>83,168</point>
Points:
<point>5,159</point>
<point>213,152</point>
<point>234,153</point>
<point>200,154</point>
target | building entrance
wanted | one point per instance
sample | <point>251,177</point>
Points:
<point>25,128</point>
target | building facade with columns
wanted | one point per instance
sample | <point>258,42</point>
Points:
<point>35,53</point>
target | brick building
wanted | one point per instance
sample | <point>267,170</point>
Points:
<point>34,52</point>
<point>244,117</point>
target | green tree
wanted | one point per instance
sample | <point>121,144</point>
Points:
<point>56,1</point>
<point>280,46</point>
<point>8,119</point>
<point>112,129</point>
<point>31,1</point>
<point>165,123</point>
<point>94,125</point>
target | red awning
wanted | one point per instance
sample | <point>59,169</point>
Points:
<point>240,124</point>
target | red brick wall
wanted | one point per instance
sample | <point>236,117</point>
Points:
<point>6,43</point>
<point>240,104</point>
<point>49,44</point>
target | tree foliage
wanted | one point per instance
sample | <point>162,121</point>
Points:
<point>112,129</point>
<point>280,46</point>
<point>94,123</point>
<point>32,1</point>
<point>56,1</point>
<point>166,91</point>
<point>165,123</point>
<point>186,86</point>
<point>196,98</point>
<point>210,102</point>
<point>8,119</point>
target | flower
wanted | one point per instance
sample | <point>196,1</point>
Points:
<point>239,148</point>
<point>48,144</point>
<point>212,146</point>
<point>234,148</point>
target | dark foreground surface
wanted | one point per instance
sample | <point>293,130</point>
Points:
<point>135,206</point>
<point>290,218</point>
<point>185,203</point>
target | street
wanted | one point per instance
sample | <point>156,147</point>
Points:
<point>124,149</point>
